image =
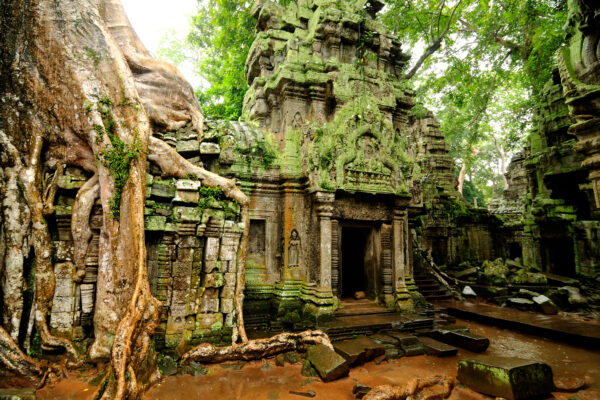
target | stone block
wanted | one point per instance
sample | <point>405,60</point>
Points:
<point>227,305</point>
<point>210,266</point>
<point>187,185</point>
<point>185,254</point>
<point>190,242</point>
<point>182,268</point>
<point>63,304</point>
<point>384,339</point>
<point>209,321</point>
<point>228,253</point>
<point>521,304</point>
<point>211,250</point>
<point>181,283</point>
<point>436,348</point>
<point>228,319</point>
<point>213,280</point>
<point>183,196</point>
<point>87,297</point>
<point>228,266</point>
<point>328,364</point>
<point>359,350</point>
<point>231,240</point>
<point>210,293</point>
<point>574,296</point>
<point>207,148</point>
<point>545,304</point>
<point>228,292</point>
<point>461,338</point>
<point>179,297</point>
<point>187,147</point>
<point>229,278</point>
<point>208,305</point>
<point>64,271</point>
<point>469,292</point>
<point>163,189</point>
<point>155,223</point>
<point>187,214</point>
<point>409,344</point>
<point>63,288</point>
<point>64,250</point>
<point>466,273</point>
<point>62,321</point>
<point>507,377</point>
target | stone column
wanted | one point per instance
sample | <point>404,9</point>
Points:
<point>318,108</point>
<point>400,249</point>
<point>324,212</point>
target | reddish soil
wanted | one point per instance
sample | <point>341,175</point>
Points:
<point>254,381</point>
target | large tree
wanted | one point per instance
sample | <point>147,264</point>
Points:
<point>485,75</point>
<point>78,88</point>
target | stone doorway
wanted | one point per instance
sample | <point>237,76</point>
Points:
<point>558,256</point>
<point>359,263</point>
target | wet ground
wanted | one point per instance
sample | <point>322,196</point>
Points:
<point>264,380</point>
<point>563,326</point>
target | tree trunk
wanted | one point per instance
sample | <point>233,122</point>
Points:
<point>461,177</point>
<point>502,154</point>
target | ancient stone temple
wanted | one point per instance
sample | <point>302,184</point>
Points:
<point>338,162</point>
<point>330,163</point>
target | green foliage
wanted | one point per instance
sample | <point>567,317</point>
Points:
<point>222,32</point>
<point>172,49</point>
<point>35,350</point>
<point>214,194</point>
<point>485,79</point>
<point>117,156</point>
<point>117,159</point>
<point>259,150</point>
<point>470,192</point>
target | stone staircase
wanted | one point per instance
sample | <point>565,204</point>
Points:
<point>429,287</point>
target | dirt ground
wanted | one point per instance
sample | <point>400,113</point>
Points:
<point>264,380</point>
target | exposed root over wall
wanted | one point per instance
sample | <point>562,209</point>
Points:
<point>256,349</point>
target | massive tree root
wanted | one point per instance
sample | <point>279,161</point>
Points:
<point>80,225</point>
<point>30,178</point>
<point>15,231</point>
<point>42,244</point>
<point>256,349</point>
<point>412,388</point>
<point>12,358</point>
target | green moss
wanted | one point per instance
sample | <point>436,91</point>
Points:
<point>118,155</point>
<point>213,197</point>
<point>117,159</point>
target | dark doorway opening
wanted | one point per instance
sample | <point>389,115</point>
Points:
<point>515,250</point>
<point>558,256</point>
<point>354,276</point>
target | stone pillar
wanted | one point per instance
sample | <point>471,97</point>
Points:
<point>400,248</point>
<point>324,212</point>
<point>318,109</point>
